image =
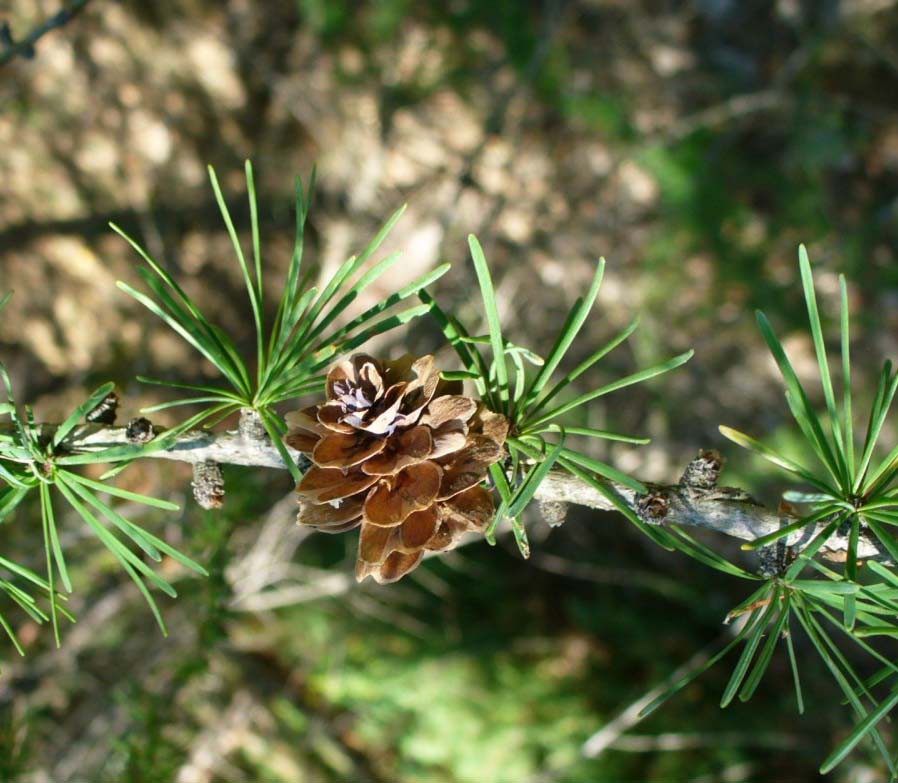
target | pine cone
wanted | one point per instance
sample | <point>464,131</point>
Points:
<point>399,452</point>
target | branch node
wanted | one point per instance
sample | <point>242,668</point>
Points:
<point>653,507</point>
<point>140,431</point>
<point>208,484</point>
<point>773,560</point>
<point>553,511</point>
<point>703,472</point>
<point>250,427</point>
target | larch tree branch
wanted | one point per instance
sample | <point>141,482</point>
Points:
<point>726,510</point>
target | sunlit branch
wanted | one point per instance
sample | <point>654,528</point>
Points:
<point>726,510</point>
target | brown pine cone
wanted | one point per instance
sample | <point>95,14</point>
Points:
<point>397,451</point>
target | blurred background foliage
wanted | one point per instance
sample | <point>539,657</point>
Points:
<point>692,143</point>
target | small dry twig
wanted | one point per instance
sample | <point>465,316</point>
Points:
<point>24,47</point>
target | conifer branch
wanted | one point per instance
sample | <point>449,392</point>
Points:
<point>726,510</point>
